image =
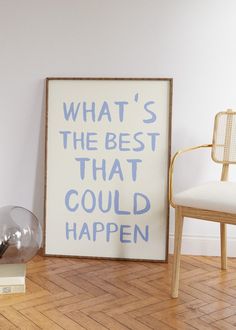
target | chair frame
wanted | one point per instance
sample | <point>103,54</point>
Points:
<point>202,214</point>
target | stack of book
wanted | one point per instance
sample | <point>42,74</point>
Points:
<point>12,278</point>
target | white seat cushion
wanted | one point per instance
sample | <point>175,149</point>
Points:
<point>214,196</point>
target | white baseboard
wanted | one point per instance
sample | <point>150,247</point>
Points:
<point>203,245</point>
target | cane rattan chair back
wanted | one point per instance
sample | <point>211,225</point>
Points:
<point>224,138</point>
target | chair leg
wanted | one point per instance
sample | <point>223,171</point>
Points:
<point>223,245</point>
<point>177,251</point>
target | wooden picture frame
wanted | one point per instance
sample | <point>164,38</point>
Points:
<point>107,160</point>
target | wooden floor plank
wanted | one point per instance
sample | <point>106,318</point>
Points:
<point>18,319</point>
<point>41,301</point>
<point>214,307</point>
<point>130,322</point>
<point>222,325</point>
<point>223,313</point>
<point>131,306</point>
<point>153,323</point>
<point>109,304</point>
<point>41,320</point>
<point>6,323</point>
<point>60,303</point>
<point>62,320</point>
<point>200,324</point>
<point>85,321</point>
<point>86,303</point>
<point>108,321</point>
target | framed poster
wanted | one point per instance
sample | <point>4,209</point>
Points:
<point>107,160</point>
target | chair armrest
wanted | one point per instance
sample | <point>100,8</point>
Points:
<point>171,169</point>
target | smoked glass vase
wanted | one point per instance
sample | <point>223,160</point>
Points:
<point>20,235</point>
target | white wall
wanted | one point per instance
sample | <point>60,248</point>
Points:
<point>192,41</point>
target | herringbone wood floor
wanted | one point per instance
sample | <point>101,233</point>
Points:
<point>65,293</point>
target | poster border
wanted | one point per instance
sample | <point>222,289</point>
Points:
<point>170,80</point>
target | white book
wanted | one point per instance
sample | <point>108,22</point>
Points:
<point>12,278</point>
<point>7,289</point>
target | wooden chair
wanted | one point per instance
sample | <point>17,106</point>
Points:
<point>213,201</point>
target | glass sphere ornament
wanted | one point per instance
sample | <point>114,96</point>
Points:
<point>20,235</point>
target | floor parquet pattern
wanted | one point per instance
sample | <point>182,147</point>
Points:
<point>65,293</point>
